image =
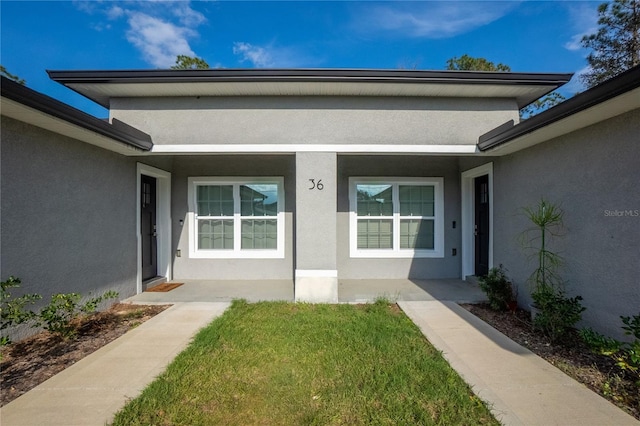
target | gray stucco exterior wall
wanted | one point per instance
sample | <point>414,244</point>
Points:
<point>594,175</point>
<point>68,219</point>
<point>400,166</point>
<point>316,211</point>
<point>184,167</point>
<point>314,120</point>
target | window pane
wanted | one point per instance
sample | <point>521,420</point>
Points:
<point>259,199</point>
<point>417,234</point>
<point>215,200</point>
<point>215,234</point>
<point>259,234</point>
<point>416,200</point>
<point>374,200</point>
<point>375,233</point>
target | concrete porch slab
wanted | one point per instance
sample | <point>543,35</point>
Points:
<point>220,291</point>
<point>351,291</point>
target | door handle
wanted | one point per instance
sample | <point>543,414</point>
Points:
<point>475,230</point>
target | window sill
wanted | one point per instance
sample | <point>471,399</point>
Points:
<point>230,254</point>
<point>396,254</point>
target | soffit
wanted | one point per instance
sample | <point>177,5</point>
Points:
<point>102,93</point>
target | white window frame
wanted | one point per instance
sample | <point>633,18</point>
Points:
<point>396,251</point>
<point>237,252</point>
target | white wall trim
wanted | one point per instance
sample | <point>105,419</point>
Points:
<point>293,148</point>
<point>468,210</point>
<point>163,204</point>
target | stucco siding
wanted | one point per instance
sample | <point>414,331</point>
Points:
<point>316,211</point>
<point>68,214</point>
<point>468,163</point>
<point>314,120</point>
<point>184,167</point>
<point>400,166</point>
<point>594,175</point>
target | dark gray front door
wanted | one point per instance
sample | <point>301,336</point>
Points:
<point>148,227</point>
<point>481,227</point>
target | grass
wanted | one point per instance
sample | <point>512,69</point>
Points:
<point>299,364</point>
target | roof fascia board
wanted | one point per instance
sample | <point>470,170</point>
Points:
<point>302,75</point>
<point>117,131</point>
<point>617,86</point>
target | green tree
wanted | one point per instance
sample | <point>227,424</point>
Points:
<point>184,62</point>
<point>616,44</point>
<point>469,63</point>
<point>542,104</point>
<point>5,73</point>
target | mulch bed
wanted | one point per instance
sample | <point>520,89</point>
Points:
<point>29,362</point>
<point>599,373</point>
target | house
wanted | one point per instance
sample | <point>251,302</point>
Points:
<point>317,175</point>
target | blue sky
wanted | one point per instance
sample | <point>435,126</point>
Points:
<point>529,36</point>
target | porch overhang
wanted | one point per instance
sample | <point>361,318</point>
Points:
<point>101,86</point>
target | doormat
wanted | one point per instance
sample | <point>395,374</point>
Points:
<point>164,287</point>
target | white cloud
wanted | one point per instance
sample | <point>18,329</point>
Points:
<point>259,56</point>
<point>431,19</point>
<point>575,42</point>
<point>159,41</point>
<point>160,30</point>
<point>188,16</point>
<point>115,12</point>
<point>271,56</point>
<point>584,20</point>
<point>575,85</point>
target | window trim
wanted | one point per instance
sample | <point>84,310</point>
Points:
<point>396,251</point>
<point>237,252</point>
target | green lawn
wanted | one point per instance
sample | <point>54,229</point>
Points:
<point>295,364</point>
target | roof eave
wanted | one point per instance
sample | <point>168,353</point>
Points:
<point>298,75</point>
<point>94,84</point>
<point>507,132</point>
<point>118,131</point>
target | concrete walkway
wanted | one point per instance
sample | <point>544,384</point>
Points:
<point>521,388</point>
<point>91,391</point>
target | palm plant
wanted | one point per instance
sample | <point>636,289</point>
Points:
<point>557,312</point>
<point>546,219</point>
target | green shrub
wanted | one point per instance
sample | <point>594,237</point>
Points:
<point>558,313</point>
<point>625,354</point>
<point>498,288</point>
<point>60,315</point>
<point>12,309</point>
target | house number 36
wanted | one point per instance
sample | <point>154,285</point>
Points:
<point>316,185</point>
